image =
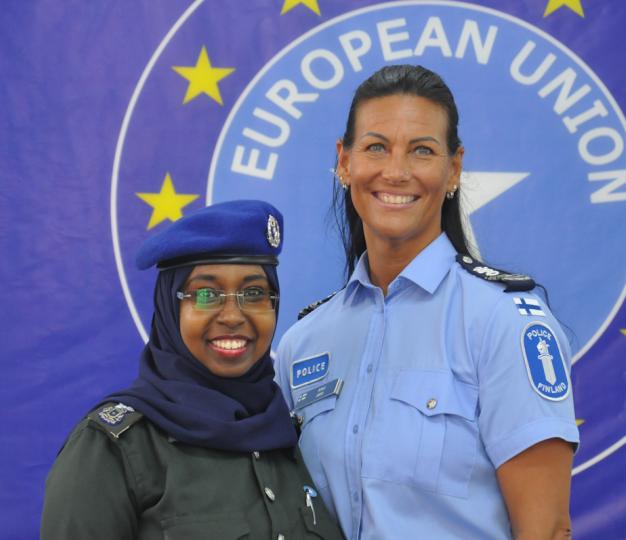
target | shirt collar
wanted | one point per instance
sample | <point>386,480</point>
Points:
<point>426,270</point>
<point>432,264</point>
<point>360,274</point>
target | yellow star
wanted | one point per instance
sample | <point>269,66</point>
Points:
<point>579,422</point>
<point>290,4</point>
<point>623,331</point>
<point>203,78</point>
<point>167,204</point>
<point>574,5</point>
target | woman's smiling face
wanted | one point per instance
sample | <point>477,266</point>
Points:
<point>227,340</point>
<point>399,169</point>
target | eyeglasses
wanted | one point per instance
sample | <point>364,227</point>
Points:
<point>250,299</point>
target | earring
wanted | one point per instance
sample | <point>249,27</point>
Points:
<point>344,185</point>
<point>450,194</point>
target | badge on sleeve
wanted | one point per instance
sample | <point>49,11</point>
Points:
<point>544,362</point>
<point>309,370</point>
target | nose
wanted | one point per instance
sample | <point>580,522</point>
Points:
<point>396,169</point>
<point>230,313</point>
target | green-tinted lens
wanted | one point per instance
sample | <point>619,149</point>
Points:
<point>206,299</point>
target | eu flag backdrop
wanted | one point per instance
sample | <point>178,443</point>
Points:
<point>119,117</point>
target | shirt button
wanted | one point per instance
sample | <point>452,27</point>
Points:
<point>355,429</point>
<point>269,493</point>
<point>431,403</point>
<point>256,455</point>
<point>370,368</point>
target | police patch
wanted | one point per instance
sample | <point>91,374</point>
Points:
<point>544,362</point>
<point>309,370</point>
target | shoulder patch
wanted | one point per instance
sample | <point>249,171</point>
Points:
<point>544,360</point>
<point>311,307</point>
<point>513,282</point>
<point>115,418</point>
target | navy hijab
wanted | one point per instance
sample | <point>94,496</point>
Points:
<point>191,404</point>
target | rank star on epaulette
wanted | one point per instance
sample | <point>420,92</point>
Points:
<point>513,282</point>
<point>312,307</point>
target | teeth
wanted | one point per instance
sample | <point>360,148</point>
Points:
<point>395,199</point>
<point>229,344</point>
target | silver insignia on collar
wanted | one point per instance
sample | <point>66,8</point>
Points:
<point>273,231</point>
<point>115,414</point>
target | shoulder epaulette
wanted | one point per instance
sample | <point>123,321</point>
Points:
<point>513,282</point>
<point>115,418</point>
<point>311,307</point>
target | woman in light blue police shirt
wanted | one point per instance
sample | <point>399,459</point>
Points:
<point>433,391</point>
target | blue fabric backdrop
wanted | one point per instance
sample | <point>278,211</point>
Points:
<point>118,117</point>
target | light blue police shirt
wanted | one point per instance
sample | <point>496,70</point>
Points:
<point>445,379</point>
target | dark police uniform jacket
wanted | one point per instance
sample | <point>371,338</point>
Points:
<point>132,481</point>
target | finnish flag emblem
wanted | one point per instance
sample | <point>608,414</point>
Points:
<point>528,306</point>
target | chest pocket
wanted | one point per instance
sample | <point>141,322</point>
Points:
<point>428,431</point>
<point>313,429</point>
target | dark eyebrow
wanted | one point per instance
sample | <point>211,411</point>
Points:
<point>412,141</point>
<point>425,139</point>
<point>254,277</point>
<point>211,277</point>
<point>202,277</point>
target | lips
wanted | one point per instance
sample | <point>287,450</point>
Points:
<point>391,198</point>
<point>229,345</point>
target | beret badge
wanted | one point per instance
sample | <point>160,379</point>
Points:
<point>273,231</point>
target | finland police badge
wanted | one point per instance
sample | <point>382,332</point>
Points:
<point>544,362</point>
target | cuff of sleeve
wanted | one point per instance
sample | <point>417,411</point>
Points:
<point>530,434</point>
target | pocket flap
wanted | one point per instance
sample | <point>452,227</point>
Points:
<point>231,525</point>
<point>436,392</point>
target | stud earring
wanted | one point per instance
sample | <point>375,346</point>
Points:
<point>450,194</point>
<point>344,185</point>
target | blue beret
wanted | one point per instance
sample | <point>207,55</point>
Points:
<point>238,232</point>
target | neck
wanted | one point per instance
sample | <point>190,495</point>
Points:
<point>388,258</point>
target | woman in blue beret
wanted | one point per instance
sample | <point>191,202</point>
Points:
<point>201,445</point>
<point>455,418</point>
